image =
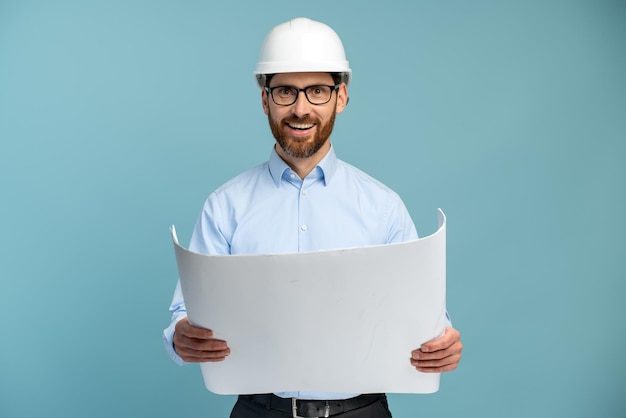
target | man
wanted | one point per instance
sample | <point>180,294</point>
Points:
<point>302,199</point>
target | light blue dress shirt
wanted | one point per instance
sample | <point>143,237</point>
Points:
<point>269,209</point>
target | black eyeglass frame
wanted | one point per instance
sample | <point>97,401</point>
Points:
<point>270,91</point>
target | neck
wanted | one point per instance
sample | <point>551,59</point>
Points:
<point>303,166</point>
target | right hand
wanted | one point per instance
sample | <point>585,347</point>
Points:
<point>197,345</point>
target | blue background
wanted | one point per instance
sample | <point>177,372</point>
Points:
<point>118,118</point>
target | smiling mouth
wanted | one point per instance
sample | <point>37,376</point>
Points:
<point>300,126</point>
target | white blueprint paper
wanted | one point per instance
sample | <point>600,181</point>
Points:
<point>342,321</point>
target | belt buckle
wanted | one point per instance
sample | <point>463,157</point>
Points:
<point>294,409</point>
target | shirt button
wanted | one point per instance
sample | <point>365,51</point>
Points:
<point>304,227</point>
<point>304,192</point>
<point>292,175</point>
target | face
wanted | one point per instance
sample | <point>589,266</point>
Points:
<point>303,129</point>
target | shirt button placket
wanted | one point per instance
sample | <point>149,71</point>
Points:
<point>304,218</point>
<point>303,227</point>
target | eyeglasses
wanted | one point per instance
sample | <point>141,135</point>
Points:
<point>287,95</point>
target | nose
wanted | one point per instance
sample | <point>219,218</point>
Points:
<point>302,106</point>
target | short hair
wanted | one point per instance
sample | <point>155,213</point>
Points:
<point>338,78</point>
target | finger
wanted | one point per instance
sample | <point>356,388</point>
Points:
<point>184,327</point>
<point>437,365</point>
<point>437,362</point>
<point>198,344</point>
<point>442,369</point>
<point>450,337</point>
<point>455,348</point>
<point>192,350</point>
<point>194,356</point>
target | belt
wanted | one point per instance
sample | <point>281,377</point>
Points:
<point>313,408</point>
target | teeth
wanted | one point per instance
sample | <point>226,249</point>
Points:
<point>302,126</point>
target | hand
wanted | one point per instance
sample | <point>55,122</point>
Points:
<point>196,345</point>
<point>439,355</point>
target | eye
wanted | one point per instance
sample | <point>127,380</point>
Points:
<point>316,91</point>
<point>284,91</point>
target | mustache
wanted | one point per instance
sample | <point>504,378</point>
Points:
<point>296,119</point>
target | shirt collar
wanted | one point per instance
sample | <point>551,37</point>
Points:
<point>325,169</point>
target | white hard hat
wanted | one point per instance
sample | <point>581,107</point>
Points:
<point>302,45</point>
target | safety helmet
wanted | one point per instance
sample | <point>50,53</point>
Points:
<point>302,45</point>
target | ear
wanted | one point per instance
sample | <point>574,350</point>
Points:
<point>342,98</point>
<point>266,109</point>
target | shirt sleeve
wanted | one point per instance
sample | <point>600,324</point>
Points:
<point>178,311</point>
<point>400,225</point>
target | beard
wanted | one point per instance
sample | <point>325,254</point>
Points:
<point>301,147</point>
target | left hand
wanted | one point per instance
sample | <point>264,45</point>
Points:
<point>439,355</point>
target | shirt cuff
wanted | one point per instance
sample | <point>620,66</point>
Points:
<point>168,340</point>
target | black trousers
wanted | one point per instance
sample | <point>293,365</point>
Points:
<point>249,407</point>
